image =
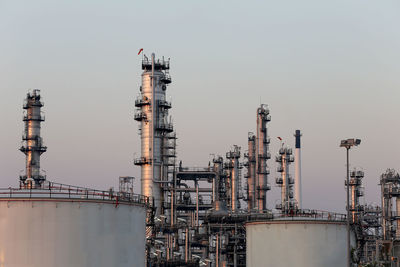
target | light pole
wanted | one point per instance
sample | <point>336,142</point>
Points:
<point>348,143</point>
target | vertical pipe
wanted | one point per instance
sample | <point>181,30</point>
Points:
<point>217,251</point>
<point>235,248</point>
<point>152,114</point>
<point>297,174</point>
<point>168,246</point>
<point>172,207</point>
<point>384,206</point>
<point>398,217</point>
<point>353,200</point>
<point>348,211</point>
<point>197,203</point>
<point>284,198</point>
<point>233,186</point>
<point>174,198</point>
<point>187,244</point>
<point>213,185</point>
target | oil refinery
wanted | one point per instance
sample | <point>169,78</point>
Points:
<point>217,215</point>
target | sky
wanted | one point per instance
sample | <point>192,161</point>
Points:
<point>328,68</point>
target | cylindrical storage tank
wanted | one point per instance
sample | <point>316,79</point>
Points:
<point>300,243</point>
<point>48,232</point>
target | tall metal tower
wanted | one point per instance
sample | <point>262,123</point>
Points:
<point>251,172</point>
<point>33,142</point>
<point>152,113</point>
<point>389,182</point>
<point>284,158</point>
<point>262,155</point>
<point>356,191</point>
<point>234,167</point>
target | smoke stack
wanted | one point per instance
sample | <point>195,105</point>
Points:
<point>33,146</point>
<point>297,174</point>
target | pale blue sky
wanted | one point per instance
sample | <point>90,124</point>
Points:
<point>329,68</point>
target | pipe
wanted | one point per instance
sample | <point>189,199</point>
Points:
<point>284,191</point>
<point>348,211</point>
<point>187,244</point>
<point>217,251</point>
<point>197,204</point>
<point>213,186</point>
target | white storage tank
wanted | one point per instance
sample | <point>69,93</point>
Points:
<point>65,228</point>
<point>297,241</point>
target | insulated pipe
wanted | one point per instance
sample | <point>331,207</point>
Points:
<point>297,171</point>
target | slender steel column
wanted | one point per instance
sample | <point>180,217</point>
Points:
<point>348,210</point>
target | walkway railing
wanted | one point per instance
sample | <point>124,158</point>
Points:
<point>298,215</point>
<point>63,191</point>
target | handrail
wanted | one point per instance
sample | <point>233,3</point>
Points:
<point>195,169</point>
<point>297,215</point>
<point>63,191</point>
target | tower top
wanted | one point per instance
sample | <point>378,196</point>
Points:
<point>159,64</point>
<point>297,134</point>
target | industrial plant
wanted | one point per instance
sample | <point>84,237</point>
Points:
<point>217,216</point>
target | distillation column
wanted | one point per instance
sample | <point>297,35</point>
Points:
<point>152,112</point>
<point>356,192</point>
<point>285,181</point>
<point>389,180</point>
<point>234,175</point>
<point>262,155</point>
<point>297,170</point>
<point>251,172</point>
<point>33,146</point>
